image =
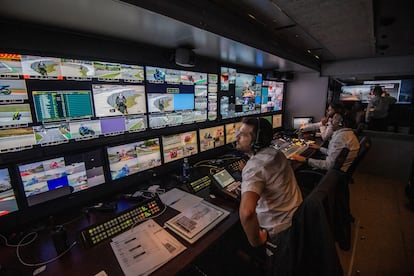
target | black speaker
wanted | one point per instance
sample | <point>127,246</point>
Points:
<point>184,57</point>
<point>287,76</point>
<point>273,75</point>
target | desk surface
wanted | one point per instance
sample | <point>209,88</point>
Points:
<point>81,260</point>
<point>89,261</point>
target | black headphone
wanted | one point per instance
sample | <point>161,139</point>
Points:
<point>256,145</point>
<point>341,121</point>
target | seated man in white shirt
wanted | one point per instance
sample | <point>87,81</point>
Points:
<point>343,137</point>
<point>325,125</point>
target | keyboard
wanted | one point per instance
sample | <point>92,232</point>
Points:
<point>294,149</point>
<point>127,219</point>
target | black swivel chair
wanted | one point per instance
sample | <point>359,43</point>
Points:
<point>364,146</point>
<point>308,178</point>
<point>311,240</point>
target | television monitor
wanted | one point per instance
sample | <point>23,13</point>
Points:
<point>402,90</point>
<point>12,91</point>
<point>297,122</point>
<point>245,99</point>
<point>15,139</point>
<point>44,67</point>
<point>113,125</point>
<point>132,158</point>
<point>77,69</point>
<point>15,115</point>
<point>135,123</point>
<point>248,93</point>
<point>187,77</point>
<point>406,91</point>
<point>53,178</point>
<point>355,93</point>
<point>132,73</point>
<point>277,120</point>
<point>179,145</point>
<point>85,129</point>
<point>107,70</point>
<point>227,77</point>
<point>272,96</point>
<point>8,203</point>
<point>211,138</point>
<point>268,118</point>
<point>116,100</point>
<point>59,105</point>
<point>10,65</point>
<point>231,131</point>
<point>172,76</point>
<point>155,74</point>
<point>51,134</point>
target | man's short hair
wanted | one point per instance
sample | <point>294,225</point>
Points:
<point>265,133</point>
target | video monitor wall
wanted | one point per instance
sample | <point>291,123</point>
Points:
<point>211,138</point>
<point>8,203</point>
<point>132,158</point>
<point>53,178</point>
<point>179,145</point>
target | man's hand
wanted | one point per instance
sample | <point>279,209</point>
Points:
<point>298,158</point>
<point>314,146</point>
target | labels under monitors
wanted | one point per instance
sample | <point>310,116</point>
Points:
<point>125,220</point>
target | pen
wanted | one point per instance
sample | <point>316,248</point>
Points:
<point>175,201</point>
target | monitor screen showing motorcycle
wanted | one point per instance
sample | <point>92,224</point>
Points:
<point>118,100</point>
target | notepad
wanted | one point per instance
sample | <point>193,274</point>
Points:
<point>197,220</point>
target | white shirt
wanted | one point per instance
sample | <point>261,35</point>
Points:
<point>326,131</point>
<point>269,174</point>
<point>342,138</point>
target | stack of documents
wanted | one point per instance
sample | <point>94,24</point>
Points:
<point>145,248</point>
<point>197,216</point>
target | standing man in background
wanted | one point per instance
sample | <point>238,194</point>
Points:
<point>376,115</point>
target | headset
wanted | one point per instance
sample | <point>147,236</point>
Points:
<point>257,145</point>
<point>341,121</point>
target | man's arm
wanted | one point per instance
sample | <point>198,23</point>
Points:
<point>248,218</point>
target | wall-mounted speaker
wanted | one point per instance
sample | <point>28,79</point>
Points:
<point>287,76</point>
<point>184,57</point>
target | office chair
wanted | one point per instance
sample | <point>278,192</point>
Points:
<point>364,146</point>
<point>311,241</point>
<point>308,178</point>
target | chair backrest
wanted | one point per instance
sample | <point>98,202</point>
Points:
<point>340,159</point>
<point>312,232</point>
<point>364,146</point>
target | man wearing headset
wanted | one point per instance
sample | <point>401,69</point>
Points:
<point>270,194</point>
<point>343,137</point>
<point>325,125</point>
